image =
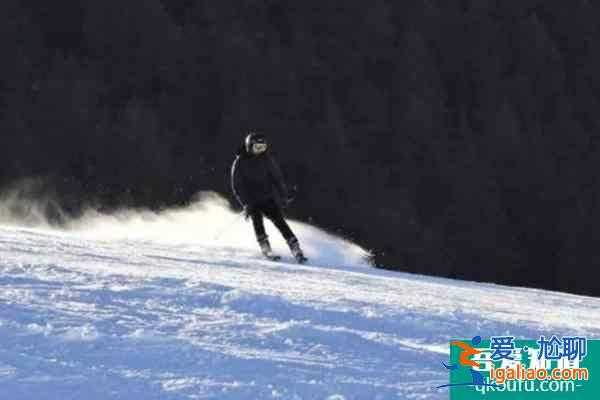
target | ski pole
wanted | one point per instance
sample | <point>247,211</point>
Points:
<point>229,225</point>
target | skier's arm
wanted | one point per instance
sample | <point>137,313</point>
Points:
<point>279,181</point>
<point>237,185</point>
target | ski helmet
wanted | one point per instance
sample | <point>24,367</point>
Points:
<point>255,143</point>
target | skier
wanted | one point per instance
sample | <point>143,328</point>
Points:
<point>259,187</point>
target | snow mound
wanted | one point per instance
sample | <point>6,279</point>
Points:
<point>153,306</point>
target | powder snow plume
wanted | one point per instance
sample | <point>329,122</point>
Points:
<point>208,222</point>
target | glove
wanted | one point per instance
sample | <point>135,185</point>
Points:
<point>289,196</point>
<point>287,200</point>
<point>248,211</point>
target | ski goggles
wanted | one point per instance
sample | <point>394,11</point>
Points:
<point>258,148</point>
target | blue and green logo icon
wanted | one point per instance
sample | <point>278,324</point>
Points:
<point>505,368</point>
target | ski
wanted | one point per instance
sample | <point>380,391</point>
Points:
<point>301,259</point>
<point>272,257</point>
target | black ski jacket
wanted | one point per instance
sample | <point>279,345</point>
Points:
<point>256,179</point>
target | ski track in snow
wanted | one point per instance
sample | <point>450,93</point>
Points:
<point>88,317</point>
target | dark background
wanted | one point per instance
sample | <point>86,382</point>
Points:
<point>455,138</point>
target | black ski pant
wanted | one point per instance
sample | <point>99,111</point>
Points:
<point>271,210</point>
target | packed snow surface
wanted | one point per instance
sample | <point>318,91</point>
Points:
<point>179,305</point>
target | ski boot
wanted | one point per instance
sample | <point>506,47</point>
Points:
<point>296,250</point>
<point>265,247</point>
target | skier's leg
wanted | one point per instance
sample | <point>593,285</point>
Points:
<point>294,246</point>
<point>261,235</point>
<point>258,224</point>
<point>273,212</point>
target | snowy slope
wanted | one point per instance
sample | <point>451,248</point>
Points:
<point>146,306</point>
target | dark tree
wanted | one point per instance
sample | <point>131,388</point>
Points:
<point>455,138</point>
